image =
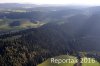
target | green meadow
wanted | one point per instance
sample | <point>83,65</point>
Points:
<point>48,62</point>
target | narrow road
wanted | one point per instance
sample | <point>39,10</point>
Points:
<point>78,64</point>
<point>79,61</point>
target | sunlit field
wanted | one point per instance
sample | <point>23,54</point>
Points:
<point>48,62</point>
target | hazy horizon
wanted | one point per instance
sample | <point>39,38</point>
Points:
<point>60,2</point>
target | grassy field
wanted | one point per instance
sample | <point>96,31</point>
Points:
<point>24,23</point>
<point>48,62</point>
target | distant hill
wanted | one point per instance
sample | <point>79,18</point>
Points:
<point>16,5</point>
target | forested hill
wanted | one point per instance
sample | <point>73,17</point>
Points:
<point>32,46</point>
